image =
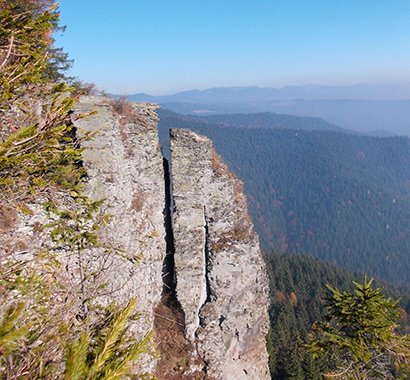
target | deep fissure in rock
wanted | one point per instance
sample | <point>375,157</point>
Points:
<point>168,268</point>
<point>176,352</point>
<point>207,261</point>
<point>207,268</point>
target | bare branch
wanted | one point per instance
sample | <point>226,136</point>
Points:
<point>8,52</point>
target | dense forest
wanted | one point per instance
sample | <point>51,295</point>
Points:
<point>340,197</point>
<point>297,284</point>
<point>266,120</point>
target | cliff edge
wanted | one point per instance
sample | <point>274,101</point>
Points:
<point>221,279</point>
<point>189,254</point>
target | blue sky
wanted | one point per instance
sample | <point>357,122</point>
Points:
<point>165,46</point>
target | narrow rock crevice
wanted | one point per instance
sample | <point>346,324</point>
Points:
<point>207,267</point>
<point>176,352</point>
<point>207,260</point>
<point>168,268</point>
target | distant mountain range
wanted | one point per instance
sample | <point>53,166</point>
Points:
<point>364,108</point>
<point>222,95</point>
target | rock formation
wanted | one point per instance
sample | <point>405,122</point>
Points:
<point>220,274</point>
<point>123,161</point>
<point>221,287</point>
<point>124,167</point>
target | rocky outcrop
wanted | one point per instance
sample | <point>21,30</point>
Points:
<point>123,162</point>
<point>221,279</point>
<point>124,167</point>
<point>217,313</point>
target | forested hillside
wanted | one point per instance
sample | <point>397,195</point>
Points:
<point>268,120</point>
<point>265,120</point>
<point>297,284</point>
<point>339,197</point>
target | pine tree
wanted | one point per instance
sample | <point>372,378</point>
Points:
<point>293,363</point>
<point>358,336</point>
<point>109,354</point>
<point>31,67</point>
<point>27,55</point>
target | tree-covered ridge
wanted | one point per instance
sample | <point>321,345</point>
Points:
<point>340,197</point>
<point>297,284</point>
<point>266,120</point>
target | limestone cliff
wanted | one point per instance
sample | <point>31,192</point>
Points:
<point>124,167</point>
<point>123,162</point>
<point>221,280</point>
<point>203,274</point>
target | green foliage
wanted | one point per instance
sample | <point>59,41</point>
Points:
<point>37,157</point>
<point>77,227</point>
<point>297,302</point>
<point>40,162</point>
<point>38,148</point>
<point>29,332</point>
<point>109,354</point>
<point>297,278</point>
<point>27,55</point>
<point>10,333</point>
<point>34,329</point>
<point>358,337</point>
<point>76,366</point>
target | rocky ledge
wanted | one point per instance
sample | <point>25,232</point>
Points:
<point>221,279</point>
<point>213,301</point>
<point>123,161</point>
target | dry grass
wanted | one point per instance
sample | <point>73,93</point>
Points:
<point>127,113</point>
<point>241,230</point>
<point>177,354</point>
<point>123,134</point>
<point>219,167</point>
<point>240,233</point>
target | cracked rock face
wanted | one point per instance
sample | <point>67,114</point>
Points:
<point>124,167</point>
<point>221,279</point>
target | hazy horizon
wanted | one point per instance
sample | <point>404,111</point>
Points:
<point>402,88</point>
<point>161,48</point>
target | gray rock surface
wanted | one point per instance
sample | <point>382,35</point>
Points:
<point>221,278</point>
<point>124,167</point>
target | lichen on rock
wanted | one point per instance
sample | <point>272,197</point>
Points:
<point>124,167</point>
<point>216,313</point>
<point>221,278</point>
